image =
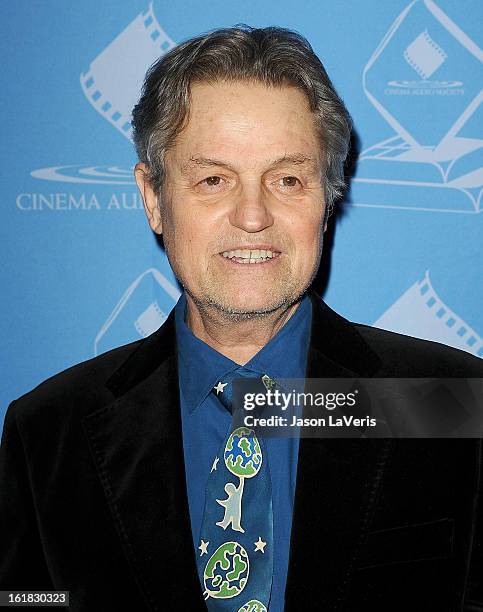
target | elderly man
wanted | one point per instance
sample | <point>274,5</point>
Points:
<point>122,480</point>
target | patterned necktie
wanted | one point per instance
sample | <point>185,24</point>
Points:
<point>235,562</point>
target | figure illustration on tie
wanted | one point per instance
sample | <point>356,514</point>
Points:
<point>232,505</point>
<point>243,458</point>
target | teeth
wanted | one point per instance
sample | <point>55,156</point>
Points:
<point>251,256</point>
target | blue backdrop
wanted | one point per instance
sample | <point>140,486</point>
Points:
<point>81,270</point>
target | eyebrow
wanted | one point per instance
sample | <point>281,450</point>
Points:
<point>299,159</point>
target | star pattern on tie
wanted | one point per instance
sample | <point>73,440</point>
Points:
<point>260,545</point>
<point>215,463</point>
<point>203,547</point>
<point>219,387</point>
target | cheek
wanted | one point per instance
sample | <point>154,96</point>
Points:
<point>312,250</point>
<point>308,236</point>
<point>308,243</point>
<point>190,239</point>
<point>179,227</point>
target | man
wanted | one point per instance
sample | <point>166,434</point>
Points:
<point>109,470</point>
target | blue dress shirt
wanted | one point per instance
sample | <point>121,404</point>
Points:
<point>205,423</point>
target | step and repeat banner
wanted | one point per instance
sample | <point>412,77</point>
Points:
<point>82,272</point>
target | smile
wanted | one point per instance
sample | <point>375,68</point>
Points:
<point>250,256</point>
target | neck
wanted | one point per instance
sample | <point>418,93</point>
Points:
<point>239,340</point>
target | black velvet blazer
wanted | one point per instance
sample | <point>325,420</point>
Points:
<point>93,492</point>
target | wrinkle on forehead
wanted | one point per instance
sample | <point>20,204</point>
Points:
<point>294,159</point>
<point>232,123</point>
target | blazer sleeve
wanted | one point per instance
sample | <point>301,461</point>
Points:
<point>22,561</point>
<point>474,590</point>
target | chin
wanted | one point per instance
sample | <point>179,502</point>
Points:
<point>251,304</point>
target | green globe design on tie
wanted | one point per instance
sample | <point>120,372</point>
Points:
<point>253,606</point>
<point>237,528</point>
<point>226,572</point>
<point>243,456</point>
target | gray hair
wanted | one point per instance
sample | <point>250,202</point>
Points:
<point>272,56</point>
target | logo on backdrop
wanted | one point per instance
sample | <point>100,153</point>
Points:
<point>424,80</point>
<point>131,53</point>
<point>421,313</point>
<point>141,310</point>
<point>425,57</point>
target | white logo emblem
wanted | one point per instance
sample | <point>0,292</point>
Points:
<point>424,79</point>
<point>142,309</point>
<point>421,313</point>
<point>424,55</point>
<point>112,85</point>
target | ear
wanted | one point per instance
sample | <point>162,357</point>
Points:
<point>150,199</point>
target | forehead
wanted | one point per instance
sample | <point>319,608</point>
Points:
<point>247,121</point>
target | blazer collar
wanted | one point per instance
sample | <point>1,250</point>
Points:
<point>150,354</point>
<point>136,444</point>
<point>336,348</point>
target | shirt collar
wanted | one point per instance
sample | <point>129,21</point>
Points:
<point>201,366</point>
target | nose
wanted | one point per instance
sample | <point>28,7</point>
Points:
<point>251,211</point>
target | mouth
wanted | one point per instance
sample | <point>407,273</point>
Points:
<point>251,256</point>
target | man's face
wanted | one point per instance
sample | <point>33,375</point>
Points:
<point>243,203</point>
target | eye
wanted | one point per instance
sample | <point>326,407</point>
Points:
<point>289,184</point>
<point>212,181</point>
<point>212,184</point>
<point>289,181</point>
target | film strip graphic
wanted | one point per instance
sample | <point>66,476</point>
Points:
<point>420,312</point>
<point>151,316</point>
<point>463,334</point>
<point>114,79</point>
<point>424,55</point>
<point>149,320</point>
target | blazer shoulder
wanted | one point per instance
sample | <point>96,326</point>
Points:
<point>81,386</point>
<point>403,355</point>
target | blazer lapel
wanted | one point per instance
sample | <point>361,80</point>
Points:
<point>337,479</point>
<point>136,443</point>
